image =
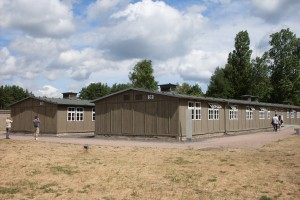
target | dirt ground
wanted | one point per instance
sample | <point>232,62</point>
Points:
<point>248,140</point>
<point>264,165</point>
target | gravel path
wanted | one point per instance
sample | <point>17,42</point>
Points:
<point>253,140</point>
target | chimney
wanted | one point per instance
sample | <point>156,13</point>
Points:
<point>167,87</point>
<point>69,95</point>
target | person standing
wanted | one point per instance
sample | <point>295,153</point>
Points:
<point>279,121</point>
<point>8,122</point>
<point>275,122</point>
<point>36,124</point>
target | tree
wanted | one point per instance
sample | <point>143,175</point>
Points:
<point>219,85</point>
<point>11,94</point>
<point>187,89</point>
<point>261,85</point>
<point>94,91</point>
<point>285,67</point>
<point>196,90</point>
<point>238,67</point>
<point>142,75</point>
<point>117,87</point>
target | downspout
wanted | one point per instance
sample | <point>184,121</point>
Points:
<point>225,119</point>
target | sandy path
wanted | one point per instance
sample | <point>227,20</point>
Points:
<point>253,140</point>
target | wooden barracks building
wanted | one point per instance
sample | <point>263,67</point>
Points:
<point>140,112</point>
<point>57,115</point>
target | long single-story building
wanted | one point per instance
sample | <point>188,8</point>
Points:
<point>140,112</point>
<point>57,115</point>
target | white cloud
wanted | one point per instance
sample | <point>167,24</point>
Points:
<point>48,91</point>
<point>276,10</point>
<point>7,63</point>
<point>196,66</point>
<point>41,18</point>
<point>185,43</point>
<point>101,8</point>
<point>39,47</point>
<point>152,30</point>
<point>81,64</point>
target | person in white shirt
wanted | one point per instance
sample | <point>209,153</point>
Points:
<point>8,122</point>
<point>275,123</point>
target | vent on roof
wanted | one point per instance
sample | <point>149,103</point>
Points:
<point>69,95</point>
<point>167,87</point>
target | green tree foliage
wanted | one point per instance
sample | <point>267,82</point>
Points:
<point>285,67</point>
<point>187,89</point>
<point>94,91</point>
<point>261,84</point>
<point>118,87</point>
<point>11,94</point>
<point>142,76</point>
<point>219,86</point>
<point>238,67</point>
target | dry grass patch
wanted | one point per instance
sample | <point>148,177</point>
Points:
<point>42,170</point>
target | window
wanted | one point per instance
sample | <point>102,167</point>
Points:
<point>150,96</point>
<point>213,111</point>
<point>196,110</point>
<point>269,114</point>
<point>71,114</point>
<point>75,114</point>
<point>126,97</point>
<point>262,113</point>
<point>139,97</point>
<point>287,114</point>
<point>233,113</point>
<point>93,114</point>
<point>292,113</point>
<point>249,113</point>
<point>79,114</point>
<point>298,115</point>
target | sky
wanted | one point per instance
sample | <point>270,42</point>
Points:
<point>53,46</point>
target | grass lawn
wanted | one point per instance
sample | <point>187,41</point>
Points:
<point>43,170</point>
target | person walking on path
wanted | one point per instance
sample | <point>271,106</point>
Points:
<point>8,122</point>
<point>275,122</point>
<point>36,124</point>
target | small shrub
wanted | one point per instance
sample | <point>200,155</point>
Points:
<point>13,190</point>
<point>264,197</point>
<point>63,169</point>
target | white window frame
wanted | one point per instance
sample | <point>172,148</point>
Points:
<point>71,114</point>
<point>298,115</point>
<point>292,114</point>
<point>287,114</point>
<point>75,114</point>
<point>233,113</point>
<point>93,114</point>
<point>262,113</point>
<point>79,114</point>
<point>269,114</point>
<point>213,111</point>
<point>249,113</point>
<point>196,109</point>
